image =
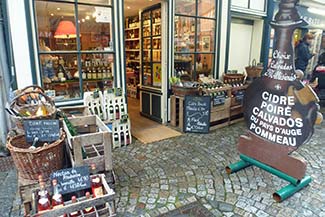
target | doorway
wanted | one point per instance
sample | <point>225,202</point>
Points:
<point>146,69</point>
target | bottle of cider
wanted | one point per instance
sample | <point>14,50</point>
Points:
<point>43,199</point>
<point>75,213</point>
<point>57,200</point>
<point>96,182</point>
<point>89,209</point>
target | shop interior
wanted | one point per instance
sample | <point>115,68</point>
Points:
<point>143,52</point>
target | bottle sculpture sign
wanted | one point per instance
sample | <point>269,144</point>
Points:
<point>280,111</point>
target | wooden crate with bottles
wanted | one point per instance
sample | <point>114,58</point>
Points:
<point>238,86</point>
<point>220,103</point>
<point>73,192</point>
<point>89,141</point>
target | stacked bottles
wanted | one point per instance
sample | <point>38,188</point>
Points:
<point>235,82</point>
<point>97,71</point>
<point>121,134</point>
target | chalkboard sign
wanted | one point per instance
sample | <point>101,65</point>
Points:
<point>219,100</point>
<point>72,179</point>
<point>197,114</point>
<point>45,130</point>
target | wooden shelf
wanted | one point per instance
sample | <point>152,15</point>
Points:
<point>132,28</point>
<point>132,50</point>
<point>132,39</point>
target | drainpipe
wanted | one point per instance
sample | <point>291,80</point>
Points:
<point>4,80</point>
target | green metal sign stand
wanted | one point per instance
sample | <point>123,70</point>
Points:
<point>280,195</point>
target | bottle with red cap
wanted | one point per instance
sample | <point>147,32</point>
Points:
<point>57,200</point>
<point>43,199</point>
<point>88,209</point>
<point>75,213</point>
<point>96,182</point>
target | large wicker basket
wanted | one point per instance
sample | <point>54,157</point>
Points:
<point>41,161</point>
<point>17,105</point>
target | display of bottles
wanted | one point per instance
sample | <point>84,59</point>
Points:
<point>96,182</point>
<point>75,213</point>
<point>88,209</point>
<point>43,198</point>
<point>117,110</point>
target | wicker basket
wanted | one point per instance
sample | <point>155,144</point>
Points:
<point>254,71</point>
<point>18,105</point>
<point>184,91</point>
<point>41,161</point>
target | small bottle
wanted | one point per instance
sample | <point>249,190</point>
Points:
<point>122,136</point>
<point>96,182</point>
<point>75,213</point>
<point>116,139</point>
<point>57,200</point>
<point>83,75</point>
<point>127,136</point>
<point>88,72</point>
<point>99,73</point>
<point>111,110</point>
<point>122,108</point>
<point>88,209</point>
<point>43,199</point>
<point>117,110</point>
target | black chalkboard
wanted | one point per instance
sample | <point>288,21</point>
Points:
<point>197,114</point>
<point>219,100</point>
<point>45,130</point>
<point>72,179</point>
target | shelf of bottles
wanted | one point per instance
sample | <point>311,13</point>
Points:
<point>151,46</point>
<point>132,43</point>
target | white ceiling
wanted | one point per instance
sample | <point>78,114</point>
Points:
<point>136,5</point>
<point>313,3</point>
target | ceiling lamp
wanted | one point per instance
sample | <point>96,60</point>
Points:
<point>66,29</point>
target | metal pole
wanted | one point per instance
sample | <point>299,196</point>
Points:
<point>4,79</point>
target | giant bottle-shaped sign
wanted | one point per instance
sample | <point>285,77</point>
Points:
<point>280,111</point>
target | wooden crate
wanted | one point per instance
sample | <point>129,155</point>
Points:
<point>71,111</point>
<point>96,139</point>
<point>177,116</point>
<point>27,187</point>
<point>108,199</point>
<point>220,112</point>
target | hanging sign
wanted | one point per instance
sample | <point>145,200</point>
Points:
<point>103,15</point>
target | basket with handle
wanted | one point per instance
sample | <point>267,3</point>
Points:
<point>31,101</point>
<point>31,163</point>
<point>254,71</point>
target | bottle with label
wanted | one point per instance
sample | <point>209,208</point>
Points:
<point>43,199</point>
<point>127,136</point>
<point>116,139</point>
<point>75,213</point>
<point>94,73</point>
<point>105,76</point>
<point>88,209</point>
<point>96,182</point>
<point>83,74</point>
<point>111,110</point>
<point>99,73</point>
<point>88,72</point>
<point>117,110</point>
<point>57,200</point>
<point>122,108</point>
<point>122,135</point>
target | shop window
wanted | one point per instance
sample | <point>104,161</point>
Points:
<point>257,5</point>
<point>195,29</point>
<point>75,46</point>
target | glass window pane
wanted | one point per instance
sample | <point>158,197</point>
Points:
<point>97,71</point>
<point>184,34</point>
<point>101,2</point>
<point>207,8</point>
<point>204,64</point>
<point>205,35</point>
<point>240,3</point>
<point>146,79</point>
<point>186,7</point>
<point>185,63</point>
<point>257,5</point>
<point>56,26</point>
<point>95,28</point>
<point>60,75</point>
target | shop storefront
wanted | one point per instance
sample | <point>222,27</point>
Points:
<point>70,47</point>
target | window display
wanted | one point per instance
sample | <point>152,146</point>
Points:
<point>194,37</point>
<point>76,52</point>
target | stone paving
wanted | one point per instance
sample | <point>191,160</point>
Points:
<point>156,178</point>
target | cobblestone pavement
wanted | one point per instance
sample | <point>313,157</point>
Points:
<point>156,178</point>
